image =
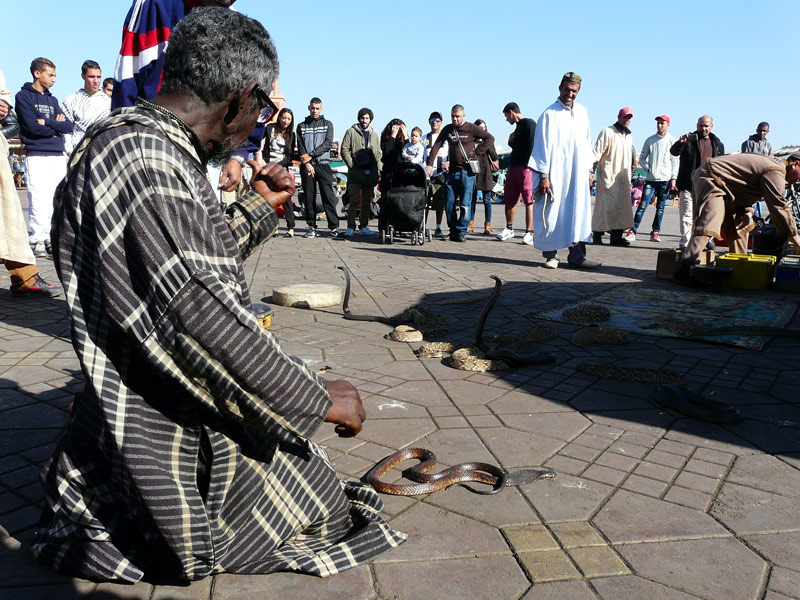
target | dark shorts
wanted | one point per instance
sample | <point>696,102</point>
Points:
<point>519,182</point>
<point>439,199</point>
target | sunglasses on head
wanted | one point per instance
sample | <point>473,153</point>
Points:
<point>268,108</point>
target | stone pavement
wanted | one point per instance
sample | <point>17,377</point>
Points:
<point>645,503</point>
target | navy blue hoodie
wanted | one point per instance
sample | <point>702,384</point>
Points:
<point>40,139</point>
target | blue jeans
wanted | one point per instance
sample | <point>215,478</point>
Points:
<point>458,192</point>
<point>660,189</point>
<point>486,197</point>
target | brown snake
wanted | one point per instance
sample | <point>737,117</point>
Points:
<point>475,472</point>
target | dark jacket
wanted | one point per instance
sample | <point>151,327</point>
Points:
<point>391,148</point>
<point>352,142</point>
<point>315,137</point>
<point>40,139</point>
<point>484,180</point>
<point>9,127</point>
<point>689,154</point>
<point>291,146</point>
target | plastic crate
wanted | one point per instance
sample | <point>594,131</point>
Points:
<point>750,271</point>
<point>787,274</point>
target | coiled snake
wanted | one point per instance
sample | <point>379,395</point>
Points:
<point>468,472</point>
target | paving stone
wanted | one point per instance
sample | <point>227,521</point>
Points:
<point>484,421</point>
<point>467,392</point>
<point>673,447</point>
<point>574,534</point>
<point>689,498</point>
<point>381,407</point>
<point>533,538</point>
<point>629,517</point>
<point>564,426</point>
<point>706,435</point>
<point>564,464</point>
<point>660,457</point>
<point>434,534</point>
<point>584,453</point>
<point>645,485</point>
<point>459,578</point>
<point>779,548</point>
<point>592,441</point>
<point>604,474</point>
<point>34,416</point>
<point>654,471</point>
<point>509,507</point>
<point>68,591</point>
<point>770,595</point>
<point>477,410</point>
<point>785,582</point>
<point>701,483</point>
<point>746,510</point>
<point>522,402</point>
<point>451,422</point>
<point>424,393</point>
<point>766,472</point>
<point>718,569</point>
<point>354,583</point>
<point>633,587</point>
<point>197,590</point>
<point>598,561</point>
<point>566,498</point>
<point>454,446</point>
<point>709,469</point>
<point>405,370</point>
<point>548,565</point>
<point>617,461</point>
<point>397,433</point>
<point>560,590</point>
<point>517,449</point>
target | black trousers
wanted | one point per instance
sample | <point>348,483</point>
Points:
<point>323,177</point>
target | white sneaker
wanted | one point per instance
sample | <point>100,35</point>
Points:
<point>527,238</point>
<point>630,236</point>
<point>39,250</point>
<point>366,231</point>
<point>349,232</point>
<point>506,234</point>
<point>551,263</point>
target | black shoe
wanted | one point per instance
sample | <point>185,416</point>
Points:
<point>597,240</point>
<point>461,237</point>
<point>620,242</point>
<point>48,247</point>
<point>39,289</point>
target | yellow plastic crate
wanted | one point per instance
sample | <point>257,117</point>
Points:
<point>750,271</point>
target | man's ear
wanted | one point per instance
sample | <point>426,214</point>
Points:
<point>238,102</point>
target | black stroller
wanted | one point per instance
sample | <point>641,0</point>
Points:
<point>406,204</point>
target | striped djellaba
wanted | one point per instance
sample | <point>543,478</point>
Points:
<point>187,452</point>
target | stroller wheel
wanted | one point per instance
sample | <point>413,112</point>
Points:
<point>413,238</point>
<point>383,236</point>
<point>391,234</point>
<point>421,236</point>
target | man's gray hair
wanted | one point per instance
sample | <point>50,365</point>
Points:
<point>216,51</point>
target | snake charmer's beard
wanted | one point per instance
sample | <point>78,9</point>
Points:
<point>221,152</point>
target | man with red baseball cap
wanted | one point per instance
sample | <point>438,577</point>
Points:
<point>662,171</point>
<point>615,157</point>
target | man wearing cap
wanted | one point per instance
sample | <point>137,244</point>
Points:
<point>662,172</point>
<point>693,150</point>
<point>562,159</point>
<point>616,160</point>
<point>725,190</point>
<point>438,200</point>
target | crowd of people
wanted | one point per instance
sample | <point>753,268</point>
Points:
<point>188,450</point>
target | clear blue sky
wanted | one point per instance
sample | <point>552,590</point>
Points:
<point>734,60</point>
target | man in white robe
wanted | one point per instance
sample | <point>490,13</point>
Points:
<point>616,161</point>
<point>562,160</point>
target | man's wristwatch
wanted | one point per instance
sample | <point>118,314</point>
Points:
<point>238,159</point>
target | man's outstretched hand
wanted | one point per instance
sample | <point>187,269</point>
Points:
<point>273,182</point>
<point>346,409</point>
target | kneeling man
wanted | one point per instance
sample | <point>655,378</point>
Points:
<point>188,449</point>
